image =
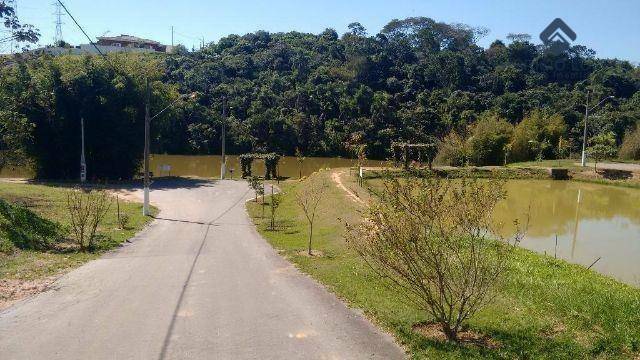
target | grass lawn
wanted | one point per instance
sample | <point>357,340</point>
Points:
<point>49,202</point>
<point>546,309</point>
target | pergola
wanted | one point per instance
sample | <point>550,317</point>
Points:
<point>406,149</point>
<point>270,162</point>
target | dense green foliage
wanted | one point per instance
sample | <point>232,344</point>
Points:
<point>323,94</point>
<point>46,97</point>
<point>630,148</point>
<point>22,228</point>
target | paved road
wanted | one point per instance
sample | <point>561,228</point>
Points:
<point>184,289</point>
<point>615,166</point>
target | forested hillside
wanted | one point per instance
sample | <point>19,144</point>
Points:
<point>417,80</point>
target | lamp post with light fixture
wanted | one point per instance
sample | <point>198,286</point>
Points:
<point>587,110</point>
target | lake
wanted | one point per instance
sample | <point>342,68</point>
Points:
<point>208,166</point>
<point>591,222</point>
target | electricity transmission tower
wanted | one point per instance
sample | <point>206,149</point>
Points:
<point>58,14</point>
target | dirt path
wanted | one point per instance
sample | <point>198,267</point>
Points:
<point>335,176</point>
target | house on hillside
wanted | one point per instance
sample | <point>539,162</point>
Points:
<point>109,44</point>
<point>129,41</point>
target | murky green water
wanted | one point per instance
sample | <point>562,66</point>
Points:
<point>591,221</point>
<point>209,165</point>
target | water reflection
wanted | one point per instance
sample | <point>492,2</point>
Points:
<point>590,221</point>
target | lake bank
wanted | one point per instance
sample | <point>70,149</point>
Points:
<point>547,308</point>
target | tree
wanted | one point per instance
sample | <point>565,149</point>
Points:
<point>537,136</point>
<point>630,148</point>
<point>257,185</point>
<point>309,198</point>
<point>601,147</point>
<point>489,138</point>
<point>274,203</point>
<point>453,150</point>
<point>433,239</point>
<point>19,32</point>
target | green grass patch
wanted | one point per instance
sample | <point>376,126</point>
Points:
<point>545,309</point>
<point>39,215</point>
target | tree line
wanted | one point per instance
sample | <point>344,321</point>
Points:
<point>417,81</point>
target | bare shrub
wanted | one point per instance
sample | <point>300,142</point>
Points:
<point>274,203</point>
<point>123,221</point>
<point>86,211</point>
<point>434,239</point>
<point>309,197</point>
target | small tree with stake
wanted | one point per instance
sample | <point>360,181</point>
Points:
<point>300,157</point>
<point>274,203</point>
<point>308,198</point>
<point>602,147</point>
<point>256,184</point>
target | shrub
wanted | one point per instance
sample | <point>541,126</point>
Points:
<point>431,238</point>
<point>452,150</point>
<point>537,137</point>
<point>489,139</point>
<point>630,148</point>
<point>86,211</point>
<point>601,147</point>
<point>24,229</point>
<point>257,185</point>
<point>123,221</point>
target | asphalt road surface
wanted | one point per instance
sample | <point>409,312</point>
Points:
<point>198,283</point>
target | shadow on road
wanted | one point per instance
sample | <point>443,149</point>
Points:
<point>163,183</point>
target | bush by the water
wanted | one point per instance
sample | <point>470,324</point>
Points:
<point>537,137</point>
<point>23,229</point>
<point>490,136</point>
<point>630,148</point>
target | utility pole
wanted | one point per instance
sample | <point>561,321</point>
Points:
<point>223,166</point>
<point>83,163</point>
<point>147,120</point>
<point>584,133</point>
<point>171,35</point>
<point>586,117</point>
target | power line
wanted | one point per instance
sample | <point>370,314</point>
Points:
<point>81,29</point>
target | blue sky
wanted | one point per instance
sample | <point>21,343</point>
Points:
<point>610,27</point>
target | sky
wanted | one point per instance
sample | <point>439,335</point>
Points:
<point>611,28</point>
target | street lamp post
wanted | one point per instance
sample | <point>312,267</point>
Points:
<point>83,162</point>
<point>147,141</point>
<point>587,110</point>
<point>147,125</point>
<point>223,163</point>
